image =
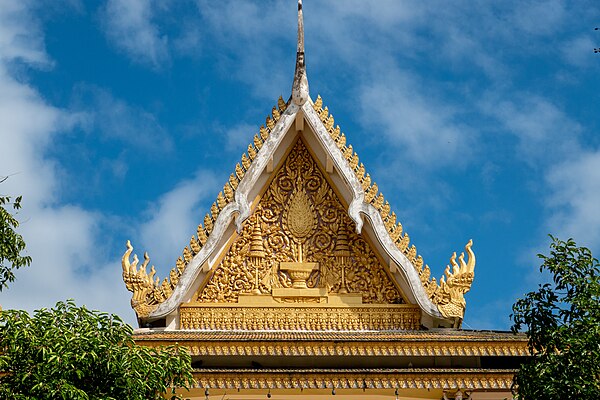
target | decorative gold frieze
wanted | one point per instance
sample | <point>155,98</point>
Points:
<point>301,221</point>
<point>362,379</point>
<point>344,348</point>
<point>300,318</point>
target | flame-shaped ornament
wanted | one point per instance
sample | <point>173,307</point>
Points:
<point>301,220</point>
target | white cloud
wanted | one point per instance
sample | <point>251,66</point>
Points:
<point>579,51</point>
<point>114,118</point>
<point>544,132</point>
<point>257,63</point>
<point>20,37</point>
<point>70,259</point>
<point>421,126</point>
<point>61,238</point>
<point>173,219</point>
<point>575,198</point>
<point>540,18</point>
<point>129,25</point>
<point>239,136</point>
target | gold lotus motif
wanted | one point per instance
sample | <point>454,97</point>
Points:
<point>301,220</point>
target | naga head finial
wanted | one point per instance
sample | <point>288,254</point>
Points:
<point>138,281</point>
<point>300,84</point>
<point>453,286</point>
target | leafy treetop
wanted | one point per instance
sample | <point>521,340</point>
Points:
<point>70,352</point>
<point>11,243</point>
<point>562,321</point>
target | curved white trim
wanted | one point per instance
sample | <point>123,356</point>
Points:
<point>407,271</point>
<point>240,206</point>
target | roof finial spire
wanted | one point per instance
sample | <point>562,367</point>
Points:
<point>300,85</point>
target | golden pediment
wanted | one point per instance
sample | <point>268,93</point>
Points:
<point>300,246</point>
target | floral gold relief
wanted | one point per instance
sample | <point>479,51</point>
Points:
<point>301,221</point>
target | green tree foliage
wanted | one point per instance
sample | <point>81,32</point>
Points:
<point>562,321</point>
<point>11,243</point>
<point>70,352</point>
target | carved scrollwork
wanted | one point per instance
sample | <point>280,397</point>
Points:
<point>300,207</point>
<point>291,316</point>
<point>449,294</point>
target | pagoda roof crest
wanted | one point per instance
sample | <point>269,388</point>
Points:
<point>443,301</point>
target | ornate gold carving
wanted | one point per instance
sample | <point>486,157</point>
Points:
<point>229,192</point>
<point>270,123</point>
<point>281,104</point>
<point>425,378</point>
<point>410,346</point>
<point>360,172</point>
<point>299,272</point>
<point>449,296</point>
<point>252,152</point>
<point>201,233</point>
<point>378,202</point>
<point>208,223</point>
<point>324,114</point>
<point>256,254</point>
<point>187,255</point>
<point>195,245</point>
<point>342,255</point>
<point>147,292</point>
<point>318,103</point>
<point>341,141</point>
<point>276,114</point>
<point>138,282</point>
<point>221,201</point>
<point>366,182</point>
<point>301,220</point>
<point>298,318</point>
<point>353,161</point>
<point>348,152</point>
<point>246,162</point>
<point>335,133</point>
<point>329,123</point>
<point>233,181</point>
<point>371,193</point>
<point>239,172</point>
<point>264,134</point>
<point>258,142</point>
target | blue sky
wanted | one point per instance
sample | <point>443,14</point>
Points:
<point>122,119</point>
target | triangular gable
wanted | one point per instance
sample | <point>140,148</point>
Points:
<point>300,221</point>
<point>441,302</point>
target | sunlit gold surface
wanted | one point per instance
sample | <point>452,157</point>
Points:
<point>299,314</point>
<point>319,233</point>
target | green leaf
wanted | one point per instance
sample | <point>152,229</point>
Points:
<point>562,322</point>
<point>74,353</point>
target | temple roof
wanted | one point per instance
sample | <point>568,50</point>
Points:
<point>443,301</point>
<point>438,358</point>
<point>437,335</point>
